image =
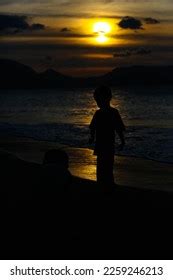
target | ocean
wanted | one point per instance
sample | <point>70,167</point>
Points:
<point>63,116</point>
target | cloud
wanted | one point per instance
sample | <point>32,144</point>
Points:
<point>37,26</point>
<point>130,23</point>
<point>108,1</point>
<point>132,52</point>
<point>65,29</point>
<point>17,22</point>
<point>150,20</point>
<point>142,51</point>
<point>10,24</point>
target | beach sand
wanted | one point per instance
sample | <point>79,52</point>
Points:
<point>40,221</point>
<point>128,171</point>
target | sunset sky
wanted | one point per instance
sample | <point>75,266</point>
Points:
<point>86,37</point>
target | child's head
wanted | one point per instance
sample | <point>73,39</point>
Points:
<point>102,96</point>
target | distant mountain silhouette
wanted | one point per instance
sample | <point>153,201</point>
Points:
<point>17,75</point>
<point>52,78</point>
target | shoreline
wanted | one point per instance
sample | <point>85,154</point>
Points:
<point>65,146</point>
<point>129,171</point>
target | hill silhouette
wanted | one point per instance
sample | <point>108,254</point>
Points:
<point>17,75</point>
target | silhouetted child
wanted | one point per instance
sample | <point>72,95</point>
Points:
<point>105,122</point>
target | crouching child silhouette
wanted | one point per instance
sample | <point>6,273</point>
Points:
<point>105,122</point>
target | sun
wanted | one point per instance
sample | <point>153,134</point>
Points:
<point>101,39</point>
<point>101,29</point>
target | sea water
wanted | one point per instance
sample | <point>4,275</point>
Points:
<point>63,116</point>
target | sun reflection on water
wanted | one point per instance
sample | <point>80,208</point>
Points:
<point>82,163</point>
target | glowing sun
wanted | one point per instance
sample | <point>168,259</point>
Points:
<point>101,29</point>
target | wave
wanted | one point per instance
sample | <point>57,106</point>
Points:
<point>141,141</point>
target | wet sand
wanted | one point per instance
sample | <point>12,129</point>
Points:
<point>128,171</point>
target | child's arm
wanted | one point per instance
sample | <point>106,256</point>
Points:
<point>92,136</point>
<point>121,136</point>
<point>120,128</point>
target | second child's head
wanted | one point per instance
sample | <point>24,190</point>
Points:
<point>102,96</point>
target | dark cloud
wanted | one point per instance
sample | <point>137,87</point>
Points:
<point>143,51</point>
<point>150,20</point>
<point>132,52</point>
<point>108,1</point>
<point>37,26</point>
<point>126,53</point>
<point>15,24</point>
<point>65,29</point>
<point>130,23</point>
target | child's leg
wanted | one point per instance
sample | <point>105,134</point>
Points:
<point>105,163</point>
<point>100,169</point>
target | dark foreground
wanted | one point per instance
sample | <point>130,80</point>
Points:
<point>44,218</point>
